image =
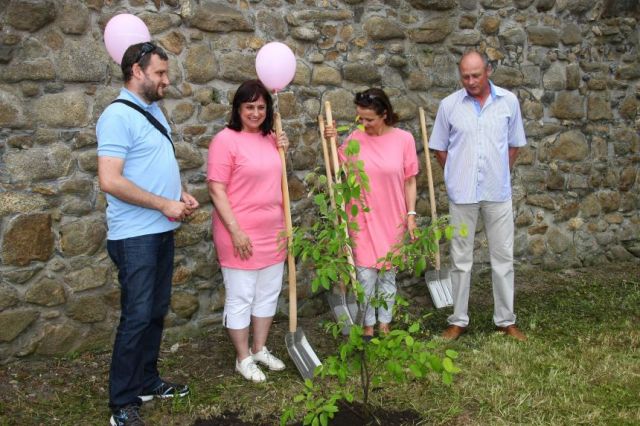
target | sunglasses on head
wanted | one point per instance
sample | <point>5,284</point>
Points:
<point>146,48</point>
<point>365,98</point>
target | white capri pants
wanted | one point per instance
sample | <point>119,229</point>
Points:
<point>250,293</point>
<point>381,285</point>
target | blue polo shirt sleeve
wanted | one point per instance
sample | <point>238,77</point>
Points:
<point>113,133</point>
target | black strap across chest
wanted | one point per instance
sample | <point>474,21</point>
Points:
<point>151,119</point>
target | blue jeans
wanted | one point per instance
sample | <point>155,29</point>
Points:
<point>145,269</point>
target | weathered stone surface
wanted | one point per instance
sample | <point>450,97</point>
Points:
<point>580,6</point>
<point>46,292</point>
<point>182,112</point>
<point>379,28</point>
<point>8,296</point>
<point>537,246</point>
<point>544,5</point>
<point>83,236</point>
<point>573,76</point>
<point>28,237</point>
<point>598,108</point>
<point>555,77</point>
<point>629,107</point>
<point>571,34</point>
<point>12,112</point>
<point>628,178</point>
<point>570,146</point>
<point>591,206</point>
<point>628,71</point>
<point>467,22</point>
<point>299,17</point>
<point>272,22</point>
<point>541,200</point>
<point>495,4</point>
<point>238,67</point>
<point>432,31</point>
<point>86,278</point>
<point>366,73</point>
<point>508,77</point>
<point>74,17</point>
<point>87,309</point>
<point>67,109</point>
<point>188,235</point>
<point>189,157</point>
<point>12,323</point>
<point>200,64</point>
<point>609,200</point>
<point>625,140</point>
<point>465,38</point>
<point>568,105</point>
<point>81,60</point>
<point>184,304</point>
<point>173,42</point>
<point>36,69</point>
<point>19,202</point>
<point>305,33</point>
<point>490,24</point>
<point>543,36</point>
<point>214,17</point>
<point>39,163</point>
<point>213,112</point>
<point>522,4</point>
<point>515,36</point>
<point>341,104</point>
<point>159,22</point>
<point>58,339</point>
<point>325,75</point>
<point>557,241</point>
<point>433,4</point>
<point>30,15</point>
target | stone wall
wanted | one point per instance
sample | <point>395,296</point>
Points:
<point>574,65</point>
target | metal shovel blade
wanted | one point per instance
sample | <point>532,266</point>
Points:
<point>439,284</point>
<point>301,353</point>
<point>340,310</point>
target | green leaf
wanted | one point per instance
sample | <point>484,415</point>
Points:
<point>448,232</point>
<point>342,129</point>
<point>409,341</point>
<point>415,370</point>
<point>323,419</point>
<point>414,328</point>
<point>451,353</point>
<point>447,363</point>
<point>447,378</point>
<point>298,398</point>
<point>354,210</point>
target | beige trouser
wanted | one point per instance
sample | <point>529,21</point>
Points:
<point>498,222</point>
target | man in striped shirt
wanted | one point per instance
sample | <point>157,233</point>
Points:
<point>476,137</point>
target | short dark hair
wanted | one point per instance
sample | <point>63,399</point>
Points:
<point>250,91</point>
<point>140,54</point>
<point>375,99</point>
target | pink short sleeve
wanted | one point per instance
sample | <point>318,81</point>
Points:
<point>410,157</point>
<point>221,158</point>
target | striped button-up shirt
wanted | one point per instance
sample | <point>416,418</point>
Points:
<point>477,140</point>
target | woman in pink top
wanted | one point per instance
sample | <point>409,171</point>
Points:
<point>244,174</point>
<point>391,162</point>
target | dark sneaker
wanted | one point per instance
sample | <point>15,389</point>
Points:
<point>165,390</point>
<point>127,416</point>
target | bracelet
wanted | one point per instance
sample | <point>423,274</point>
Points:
<point>412,213</point>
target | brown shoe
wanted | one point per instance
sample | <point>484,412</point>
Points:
<point>453,332</point>
<point>512,330</point>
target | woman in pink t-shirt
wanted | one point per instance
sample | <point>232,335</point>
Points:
<point>244,174</point>
<point>391,162</point>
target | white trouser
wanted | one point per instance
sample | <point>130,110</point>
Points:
<point>380,285</point>
<point>498,222</point>
<point>250,293</point>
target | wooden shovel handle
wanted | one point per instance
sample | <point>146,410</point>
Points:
<point>291,262</point>
<point>432,197</point>
<point>327,162</point>
<point>336,171</point>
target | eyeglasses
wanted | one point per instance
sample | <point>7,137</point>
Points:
<point>365,98</point>
<point>146,48</point>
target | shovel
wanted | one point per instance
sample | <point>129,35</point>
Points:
<point>344,311</point>
<point>438,281</point>
<point>298,346</point>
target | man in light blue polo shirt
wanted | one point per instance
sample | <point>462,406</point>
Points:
<point>476,137</point>
<point>138,171</point>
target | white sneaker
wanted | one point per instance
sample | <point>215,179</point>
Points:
<point>249,370</point>
<point>267,358</point>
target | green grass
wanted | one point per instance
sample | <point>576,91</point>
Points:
<point>580,366</point>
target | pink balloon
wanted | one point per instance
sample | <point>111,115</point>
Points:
<point>123,31</point>
<point>275,65</point>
